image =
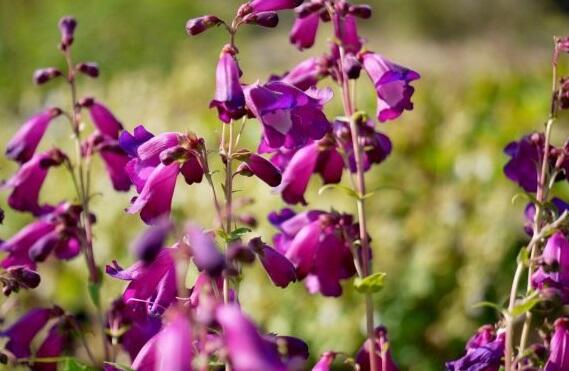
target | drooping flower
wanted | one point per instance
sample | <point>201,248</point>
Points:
<point>23,331</point>
<point>346,30</point>
<point>558,353</point>
<point>24,143</point>
<point>19,277</point>
<point>113,156</point>
<point>553,274</point>
<point>392,85</point>
<point>526,154</point>
<point>52,347</point>
<point>290,117</point>
<point>247,349</point>
<point>152,285</point>
<point>303,33</point>
<point>315,243</point>
<point>229,98</point>
<point>204,251</point>
<point>278,267</point>
<point>307,73</point>
<point>196,26</point>
<point>483,353</point>
<point>381,343</point>
<point>149,243</point>
<point>102,117</point>
<point>263,169</point>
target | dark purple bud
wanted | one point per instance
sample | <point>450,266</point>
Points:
<point>270,5</point>
<point>262,168</point>
<point>248,220</point>
<point>88,68</point>
<point>204,251</point>
<point>43,75</point>
<point>308,8</point>
<point>264,19</point>
<point>1,216</point>
<point>352,67</point>
<point>279,269</point>
<point>25,277</point>
<point>198,25</point>
<point>360,11</point>
<point>148,244</point>
<point>67,27</point>
<point>240,253</point>
<point>229,98</point>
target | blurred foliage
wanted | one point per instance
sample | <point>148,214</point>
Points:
<point>443,226</point>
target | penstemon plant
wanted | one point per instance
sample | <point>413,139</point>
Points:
<point>160,322</point>
<point>533,332</point>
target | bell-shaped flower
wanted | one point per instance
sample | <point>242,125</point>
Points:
<point>279,269</point>
<point>204,251</point>
<point>263,169</point>
<point>482,354</point>
<point>247,349</point>
<point>558,347</point>
<point>392,85</point>
<point>27,182</point>
<point>382,347</point>
<point>152,286</point>
<point>525,156</point>
<point>307,73</point>
<point>553,274</point>
<point>229,98</point>
<point>113,156</point>
<point>24,143</point>
<point>290,117</point>
<point>21,334</point>
<point>103,119</point>
<point>303,33</point>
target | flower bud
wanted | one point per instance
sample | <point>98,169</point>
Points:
<point>563,95</point>
<point>248,220</point>
<point>306,9</point>
<point>360,11</point>
<point>198,25</point>
<point>148,244</point>
<point>352,67</point>
<point>88,68</point>
<point>67,27</point>
<point>563,44</point>
<point>264,19</point>
<point>240,253</point>
<point>43,75</point>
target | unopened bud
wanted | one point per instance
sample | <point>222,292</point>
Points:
<point>88,68</point>
<point>352,67</point>
<point>306,9</point>
<point>360,11</point>
<point>263,19</point>
<point>43,75</point>
<point>198,25</point>
<point>67,27</point>
<point>249,220</point>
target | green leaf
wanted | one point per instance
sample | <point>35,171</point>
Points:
<point>523,257</point>
<point>94,289</point>
<point>347,190</point>
<point>240,231</point>
<point>370,284</point>
<point>525,306</point>
<point>72,364</point>
<point>489,304</point>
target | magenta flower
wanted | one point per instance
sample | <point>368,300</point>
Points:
<point>23,331</point>
<point>522,168</point>
<point>24,143</point>
<point>263,169</point>
<point>307,73</point>
<point>152,286</point>
<point>247,349</point>
<point>290,117</point>
<point>558,353</point>
<point>325,362</point>
<point>27,182</point>
<point>102,117</point>
<point>113,156</point>
<point>279,269</point>
<point>346,30</point>
<point>204,251</point>
<point>148,244</point>
<point>57,232</point>
<point>553,274</point>
<point>303,33</point>
<point>559,205</point>
<point>52,347</point>
<point>272,5</point>
<point>229,99</point>
<point>67,27</point>
<point>362,358</point>
<point>483,352</point>
<point>198,25</point>
<point>392,85</point>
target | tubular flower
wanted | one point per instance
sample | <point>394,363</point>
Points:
<point>307,73</point>
<point>263,169</point>
<point>24,143</point>
<point>315,243</point>
<point>27,182</point>
<point>204,251</point>
<point>229,99</point>
<point>381,343</point>
<point>553,274</point>
<point>113,156</point>
<point>346,30</point>
<point>103,118</point>
<point>290,117</point>
<point>247,349</point>
<point>303,33</point>
<point>268,5</point>
<point>279,269</point>
<point>525,157</point>
<point>57,232</point>
<point>558,353</point>
<point>52,347</point>
<point>392,85</point>
<point>152,285</point>
<point>21,334</point>
<point>325,362</point>
<point>483,352</point>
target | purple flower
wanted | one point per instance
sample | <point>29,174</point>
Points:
<point>346,31</point>
<point>247,349</point>
<point>325,362</point>
<point>559,205</point>
<point>558,353</point>
<point>24,143</point>
<point>272,5</point>
<point>290,117</point>
<point>553,274</point>
<point>52,347</point>
<point>307,73</point>
<point>263,169</point>
<point>278,267</point>
<point>481,354</point>
<point>229,99</point>
<point>23,331</point>
<point>152,286</point>
<point>317,157</point>
<point>484,335</point>
<point>104,120</point>
<point>392,85</point>
<point>27,182</point>
<point>198,25</point>
<point>293,351</point>
<point>526,154</point>
<point>19,277</point>
<point>130,142</point>
<point>204,251</point>
<point>67,27</point>
<point>113,156</point>
<point>149,243</point>
<point>303,33</point>
<point>362,358</point>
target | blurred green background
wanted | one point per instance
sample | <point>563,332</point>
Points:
<point>447,235</point>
